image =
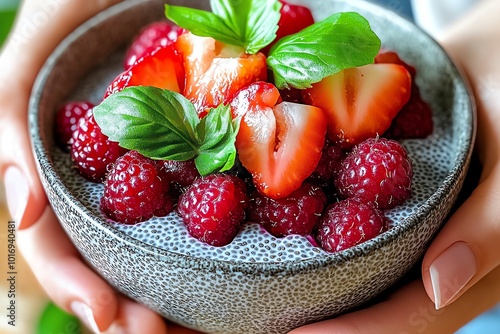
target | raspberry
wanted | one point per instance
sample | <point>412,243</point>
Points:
<point>213,208</point>
<point>91,150</point>
<point>67,119</point>
<point>182,173</point>
<point>133,192</point>
<point>297,213</point>
<point>348,223</point>
<point>157,34</point>
<point>414,120</point>
<point>329,165</point>
<point>377,171</point>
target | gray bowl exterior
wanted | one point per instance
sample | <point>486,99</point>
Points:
<point>230,297</point>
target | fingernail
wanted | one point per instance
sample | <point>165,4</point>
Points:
<point>451,272</point>
<point>115,329</point>
<point>84,313</point>
<point>17,189</point>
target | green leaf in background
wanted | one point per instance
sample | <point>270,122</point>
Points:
<point>161,124</point>
<point>7,17</point>
<point>343,40</point>
<point>56,321</point>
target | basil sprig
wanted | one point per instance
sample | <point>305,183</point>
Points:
<point>251,24</point>
<point>162,124</point>
<point>343,40</point>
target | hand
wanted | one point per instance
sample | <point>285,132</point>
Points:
<point>460,269</point>
<point>54,260</point>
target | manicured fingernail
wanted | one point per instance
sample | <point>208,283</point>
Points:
<point>84,313</point>
<point>116,329</point>
<point>17,189</point>
<point>451,272</point>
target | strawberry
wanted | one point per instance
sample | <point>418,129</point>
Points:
<point>362,101</point>
<point>293,19</point>
<point>281,144</point>
<point>391,57</point>
<point>216,71</point>
<point>162,69</point>
<point>151,37</point>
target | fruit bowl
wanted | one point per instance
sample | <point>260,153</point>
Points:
<point>257,283</point>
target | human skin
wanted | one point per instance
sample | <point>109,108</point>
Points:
<point>409,310</point>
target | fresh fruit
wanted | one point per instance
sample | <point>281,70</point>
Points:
<point>280,145</point>
<point>348,223</point>
<point>91,150</point>
<point>413,121</point>
<point>298,213</point>
<point>182,173</point>
<point>391,57</point>
<point>293,19</point>
<point>133,190</point>
<point>329,165</point>
<point>67,119</point>
<point>362,101</point>
<point>213,208</point>
<point>377,171</point>
<point>151,37</point>
<point>215,71</point>
<point>162,69</point>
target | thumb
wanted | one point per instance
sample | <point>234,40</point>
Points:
<point>26,198</point>
<point>467,247</point>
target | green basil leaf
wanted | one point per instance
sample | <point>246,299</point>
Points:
<point>202,23</point>
<point>255,21</point>
<point>343,40</point>
<point>217,132</point>
<point>159,124</point>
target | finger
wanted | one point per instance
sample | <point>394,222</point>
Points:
<point>135,318</point>
<point>66,279</point>
<point>467,247</point>
<point>409,311</point>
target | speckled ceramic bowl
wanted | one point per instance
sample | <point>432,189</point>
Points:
<point>258,284</point>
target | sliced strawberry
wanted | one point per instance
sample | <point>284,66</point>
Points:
<point>151,37</point>
<point>280,145</point>
<point>215,71</point>
<point>391,57</point>
<point>162,69</point>
<point>361,102</point>
<point>293,19</point>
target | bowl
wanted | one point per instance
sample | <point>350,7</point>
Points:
<point>257,284</point>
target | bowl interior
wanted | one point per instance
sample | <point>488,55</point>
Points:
<point>92,57</point>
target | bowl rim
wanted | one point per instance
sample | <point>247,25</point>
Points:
<point>43,158</point>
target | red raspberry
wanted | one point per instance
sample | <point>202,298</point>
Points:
<point>377,171</point>
<point>329,165</point>
<point>157,34</point>
<point>348,223</point>
<point>91,150</point>
<point>297,213</point>
<point>293,19</point>
<point>67,119</point>
<point>414,120</point>
<point>133,191</point>
<point>213,208</point>
<point>182,173</point>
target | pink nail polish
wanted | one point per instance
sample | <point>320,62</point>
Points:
<point>17,191</point>
<point>451,272</point>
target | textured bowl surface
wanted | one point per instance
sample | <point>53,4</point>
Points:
<point>258,283</point>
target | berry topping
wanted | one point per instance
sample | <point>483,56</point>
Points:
<point>362,101</point>
<point>153,36</point>
<point>391,57</point>
<point>132,190</point>
<point>162,68</point>
<point>377,171</point>
<point>91,150</point>
<point>329,165</point>
<point>348,223</point>
<point>215,71</point>
<point>298,213</point>
<point>280,145</point>
<point>182,173</point>
<point>67,119</point>
<point>213,208</point>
